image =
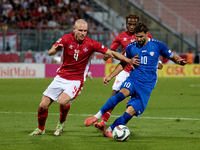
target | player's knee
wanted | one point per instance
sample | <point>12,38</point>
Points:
<point>125,118</point>
<point>63,102</point>
<point>46,101</point>
<point>120,96</point>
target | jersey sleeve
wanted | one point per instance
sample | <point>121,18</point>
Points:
<point>127,51</point>
<point>99,47</point>
<point>61,40</point>
<point>115,44</point>
<point>165,51</point>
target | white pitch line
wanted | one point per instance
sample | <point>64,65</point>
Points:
<point>86,115</point>
<point>195,85</point>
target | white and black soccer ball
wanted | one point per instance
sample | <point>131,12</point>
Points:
<point>121,133</point>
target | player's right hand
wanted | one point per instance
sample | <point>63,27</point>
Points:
<point>106,80</point>
<point>58,47</point>
<point>106,57</point>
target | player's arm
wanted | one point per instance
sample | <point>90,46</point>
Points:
<point>178,60</point>
<point>106,57</point>
<point>55,48</point>
<point>119,56</point>
<point>116,71</point>
<point>160,66</point>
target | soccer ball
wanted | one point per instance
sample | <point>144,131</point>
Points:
<point>121,133</point>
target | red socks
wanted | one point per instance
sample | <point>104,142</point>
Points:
<point>43,113</point>
<point>42,116</point>
<point>63,112</point>
<point>106,116</point>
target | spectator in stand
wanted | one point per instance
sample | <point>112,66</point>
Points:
<point>42,7</point>
<point>17,13</point>
<point>1,7</point>
<point>99,28</point>
<point>7,7</point>
<point>43,24</point>
<point>8,46</point>
<point>52,24</point>
<point>123,28</point>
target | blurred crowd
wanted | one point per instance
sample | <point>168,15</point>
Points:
<point>41,14</point>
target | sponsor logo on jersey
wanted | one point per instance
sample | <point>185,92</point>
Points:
<point>85,49</point>
<point>144,51</point>
<point>151,53</point>
<point>70,46</point>
<point>125,39</point>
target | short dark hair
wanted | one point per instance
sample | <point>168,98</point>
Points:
<point>133,17</point>
<point>141,27</point>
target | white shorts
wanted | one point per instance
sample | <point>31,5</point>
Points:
<point>59,85</point>
<point>119,79</point>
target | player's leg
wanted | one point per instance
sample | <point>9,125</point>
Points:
<point>71,90</point>
<point>120,78</point>
<point>123,120</point>
<point>101,125</point>
<point>110,104</point>
<point>64,109</point>
<point>136,106</point>
<point>42,115</point>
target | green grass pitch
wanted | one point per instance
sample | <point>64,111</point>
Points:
<point>171,120</point>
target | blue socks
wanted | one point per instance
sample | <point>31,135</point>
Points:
<point>112,102</point>
<point>123,120</point>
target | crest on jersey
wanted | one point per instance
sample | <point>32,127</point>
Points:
<point>70,46</point>
<point>125,39</point>
<point>151,53</point>
<point>85,49</point>
<point>76,51</point>
<point>132,40</point>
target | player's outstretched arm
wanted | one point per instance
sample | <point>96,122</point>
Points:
<point>119,56</point>
<point>55,49</point>
<point>116,71</point>
<point>178,60</point>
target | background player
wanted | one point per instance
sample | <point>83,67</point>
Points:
<point>77,50</point>
<point>141,80</point>
<point>122,39</point>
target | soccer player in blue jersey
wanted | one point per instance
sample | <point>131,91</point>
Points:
<point>141,80</point>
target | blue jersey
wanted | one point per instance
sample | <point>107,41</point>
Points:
<point>146,72</point>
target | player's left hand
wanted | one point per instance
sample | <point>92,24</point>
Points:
<point>135,61</point>
<point>106,80</point>
<point>182,62</point>
<point>160,66</point>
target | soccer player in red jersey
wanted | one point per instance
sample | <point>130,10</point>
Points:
<point>122,39</point>
<point>77,51</point>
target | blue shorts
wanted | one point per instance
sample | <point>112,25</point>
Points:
<point>139,95</point>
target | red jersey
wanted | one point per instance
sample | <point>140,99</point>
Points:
<point>76,57</point>
<point>124,39</point>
